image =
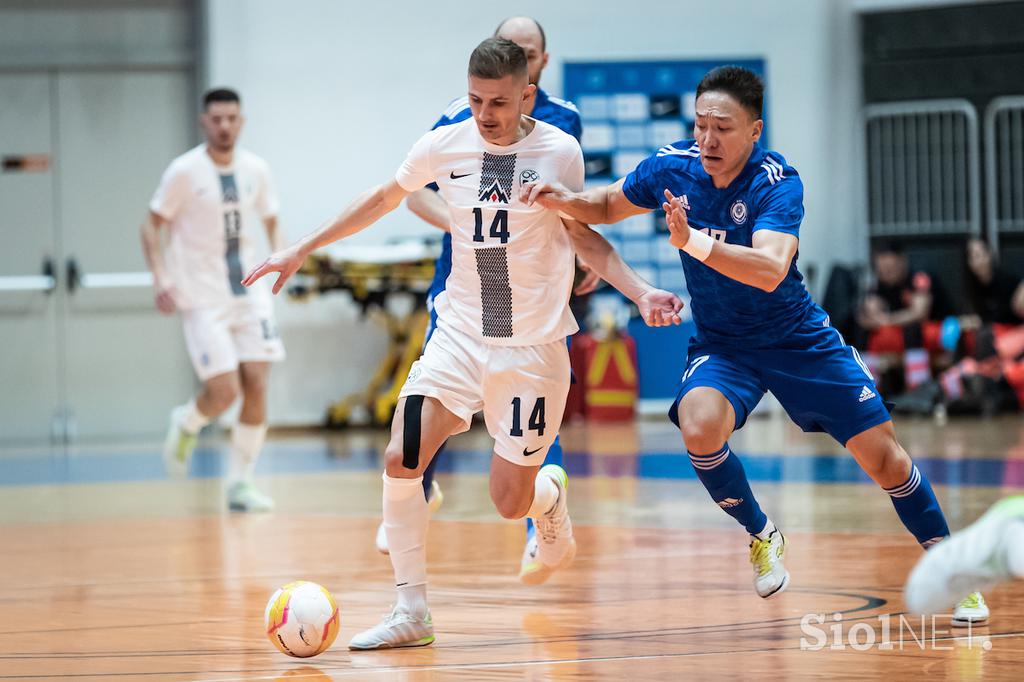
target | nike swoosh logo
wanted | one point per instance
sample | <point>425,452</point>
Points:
<point>453,176</point>
<point>527,453</point>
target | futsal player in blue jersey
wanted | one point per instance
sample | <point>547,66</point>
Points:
<point>734,212</point>
<point>427,204</point>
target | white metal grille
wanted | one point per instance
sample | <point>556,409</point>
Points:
<point>1004,166</point>
<point>923,168</point>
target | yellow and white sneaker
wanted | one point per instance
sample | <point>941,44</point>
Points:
<point>434,502</point>
<point>245,497</point>
<point>179,444</point>
<point>972,611</point>
<point>974,558</point>
<point>552,545</point>
<point>770,574</point>
<point>398,629</point>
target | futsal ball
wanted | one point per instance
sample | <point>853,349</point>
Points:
<point>302,619</point>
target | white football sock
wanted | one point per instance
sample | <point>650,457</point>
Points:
<point>1015,548</point>
<point>545,495</point>
<point>246,443</point>
<point>405,524</point>
<point>768,529</point>
<point>193,420</point>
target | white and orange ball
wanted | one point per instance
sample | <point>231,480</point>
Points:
<point>302,619</point>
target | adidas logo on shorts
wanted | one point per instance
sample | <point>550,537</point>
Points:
<point>866,394</point>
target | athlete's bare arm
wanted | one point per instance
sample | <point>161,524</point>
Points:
<point>365,210</point>
<point>597,206</point>
<point>657,307</point>
<point>429,206</point>
<point>274,236</point>
<point>764,264</point>
<point>153,251</point>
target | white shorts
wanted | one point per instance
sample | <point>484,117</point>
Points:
<point>521,389</point>
<point>218,339</point>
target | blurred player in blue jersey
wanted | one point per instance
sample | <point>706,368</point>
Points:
<point>734,212</point>
<point>428,205</point>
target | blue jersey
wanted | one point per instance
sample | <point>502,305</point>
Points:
<point>767,195</point>
<point>558,112</point>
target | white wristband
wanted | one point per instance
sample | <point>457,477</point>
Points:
<point>699,245</point>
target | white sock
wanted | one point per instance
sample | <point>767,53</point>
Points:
<point>194,420</point>
<point>545,495</point>
<point>246,443</point>
<point>1015,548</point>
<point>405,524</point>
<point>768,529</point>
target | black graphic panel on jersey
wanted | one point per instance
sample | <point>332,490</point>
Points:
<point>232,233</point>
<point>495,292</point>
<point>496,176</point>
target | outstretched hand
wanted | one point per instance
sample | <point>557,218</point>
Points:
<point>546,194</point>
<point>286,262</point>
<point>659,308</point>
<point>675,216</point>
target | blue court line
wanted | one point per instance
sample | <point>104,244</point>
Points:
<point>98,466</point>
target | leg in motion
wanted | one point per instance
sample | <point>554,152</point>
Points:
<point>706,418</point>
<point>421,424</point>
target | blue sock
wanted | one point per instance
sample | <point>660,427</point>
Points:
<point>918,509</point>
<point>722,474</point>
<point>554,456</point>
<point>428,473</point>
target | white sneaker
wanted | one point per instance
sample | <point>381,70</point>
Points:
<point>553,545</point>
<point>971,559</point>
<point>770,575</point>
<point>244,497</point>
<point>972,611</point>
<point>178,444</point>
<point>434,502</point>
<point>398,629</point>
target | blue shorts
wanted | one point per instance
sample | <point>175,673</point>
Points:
<point>821,382</point>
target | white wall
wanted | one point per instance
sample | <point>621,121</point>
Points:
<point>337,91</point>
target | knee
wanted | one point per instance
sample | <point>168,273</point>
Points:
<point>222,394</point>
<point>703,429</point>
<point>511,506</point>
<point>394,462</point>
<point>254,385</point>
<point>892,465</point>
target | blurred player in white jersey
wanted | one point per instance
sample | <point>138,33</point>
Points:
<point>212,202</point>
<point>500,345</point>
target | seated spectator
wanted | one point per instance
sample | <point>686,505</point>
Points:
<point>895,313</point>
<point>990,378</point>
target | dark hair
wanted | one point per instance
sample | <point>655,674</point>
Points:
<point>974,288</point>
<point>496,58</point>
<point>892,246</point>
<point>743,85</point>
<point>540,29</point>
<point>220,95</point>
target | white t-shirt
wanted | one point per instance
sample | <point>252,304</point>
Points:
<point>512,264</point>
<point>216,215</point>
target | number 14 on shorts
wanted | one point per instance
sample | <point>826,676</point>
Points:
<point>536,422</point>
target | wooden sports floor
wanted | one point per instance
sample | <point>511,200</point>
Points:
<point>109,571</point>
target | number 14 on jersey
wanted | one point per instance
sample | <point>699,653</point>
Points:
<point>499,225</point>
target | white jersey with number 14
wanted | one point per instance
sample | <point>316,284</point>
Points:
<point>512,264</point>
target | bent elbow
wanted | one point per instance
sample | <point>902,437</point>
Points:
<point>772,282</point>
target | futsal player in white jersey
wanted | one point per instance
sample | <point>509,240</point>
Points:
<point>212,202</point>
<point>502,321</point>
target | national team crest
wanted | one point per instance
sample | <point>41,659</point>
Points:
<point>527,176</point>
<point>496,176</point>
<point>738,212</point>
